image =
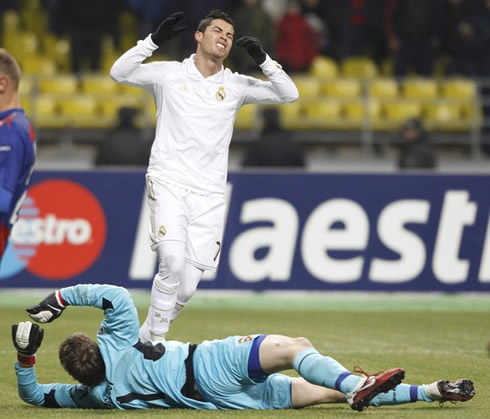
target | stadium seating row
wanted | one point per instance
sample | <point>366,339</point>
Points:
<point>53,111</point>
<point>83,111</point>
<point>379,115</point>
<point>68,84</point>
<point>93,102</point>
<point>410,88</point>
<point>309,87</point>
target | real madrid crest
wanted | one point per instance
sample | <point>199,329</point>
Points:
<point>221,94</point>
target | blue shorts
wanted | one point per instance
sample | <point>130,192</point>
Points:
<point>228,374</point>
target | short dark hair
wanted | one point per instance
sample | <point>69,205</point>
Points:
<point>212,15</point>
<point>81,358</point>
<point>9,67</point>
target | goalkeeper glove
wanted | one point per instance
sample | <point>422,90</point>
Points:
<point>166,30</point>
<point>48,309</point>
<point>27,338</point>
<point>253,47</point>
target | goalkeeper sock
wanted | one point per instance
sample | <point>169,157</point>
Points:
<point>324,371</point>
<point>402,393</point>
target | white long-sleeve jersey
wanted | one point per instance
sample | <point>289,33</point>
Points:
<point>195,115</point>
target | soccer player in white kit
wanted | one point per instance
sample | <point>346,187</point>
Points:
<point>197,101</point>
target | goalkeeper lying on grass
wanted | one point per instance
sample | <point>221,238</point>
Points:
<point>239,372</point>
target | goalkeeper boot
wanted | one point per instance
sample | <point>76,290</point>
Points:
<point>370,386</point>
<point>447,391</point>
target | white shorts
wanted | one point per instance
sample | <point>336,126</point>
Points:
<point>177,214</point>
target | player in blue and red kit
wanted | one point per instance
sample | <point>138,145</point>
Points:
<point>239,372</point>
<point>17,147</point>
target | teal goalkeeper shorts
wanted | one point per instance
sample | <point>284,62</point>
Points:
<point>228,374</point>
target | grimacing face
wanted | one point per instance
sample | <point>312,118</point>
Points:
<point>217,39</point>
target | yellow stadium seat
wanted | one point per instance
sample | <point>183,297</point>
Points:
<point>291,117</point>
<point>360,67</point>
<point>246,118</point>
<point>110,105</point>
<point>45,112</point>
<point>459,88</point>
<point>361,113</point>
<point>383,88</point>
<point>395,113</point>
<point>324,114</point>
<point>308,87</point>
<point>45,105</point>
<point>324,67</point>
<point>342,87</point>
<point>98,85</point>
<point>62,84</point>
<point>460,93</point>
<point>419,88</point>
<point>323,109</point>
<point>81,111</point>
<point>78,105</point>
<point>354,111</point>
<point>35,64</point>
<point>444,116</point>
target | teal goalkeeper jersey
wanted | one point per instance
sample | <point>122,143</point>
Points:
<point>138,376</point>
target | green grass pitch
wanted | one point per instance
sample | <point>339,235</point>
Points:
<point>431,336</point>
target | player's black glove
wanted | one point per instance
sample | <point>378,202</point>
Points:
<point>48,309</point>
<point>27,338</point>
<point>167,29</point>
<point>253,47</point>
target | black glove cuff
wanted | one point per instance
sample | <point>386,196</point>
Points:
<point>155,40</point>
<point>260,57</point>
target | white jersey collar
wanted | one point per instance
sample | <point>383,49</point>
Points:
<point>191,68</point>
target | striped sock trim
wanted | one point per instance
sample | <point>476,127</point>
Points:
<point>341,378</point>
<point>414,391</point>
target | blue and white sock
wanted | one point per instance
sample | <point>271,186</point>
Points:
<point>324,371</point>
<point>402,393</point>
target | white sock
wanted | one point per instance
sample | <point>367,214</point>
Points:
<point>176,311</point>
<point>159,323</point>
<point>144,333</point>
<point>163,299</point>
